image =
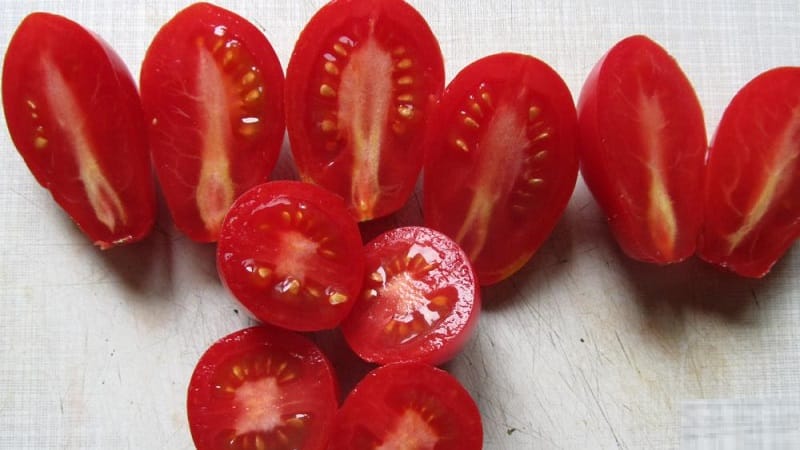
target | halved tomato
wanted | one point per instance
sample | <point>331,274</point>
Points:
<point>74,115</point>
<point>262,388</point>
<point>292,255</point>
<point>420,299</point>
<point>502,161</point>
<point>752,191</point>
<point>212,90</point>
<point>408,406</point>
<point>642,150</point>
<point>360,84</point>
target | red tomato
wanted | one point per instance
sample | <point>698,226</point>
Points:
<point>360,84</point>
<point>420,299</point>
<point>408,406</point>
<point>74,115</point>
<point>752,196</point>
<point>502,161</point>
<point>642,149</point>
<point>262,388</point>
<point>292,255</point>
<point>212,90</point>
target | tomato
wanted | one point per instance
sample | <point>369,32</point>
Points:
<point>74,115</point>
<point>752,191</point>
<point>360,84</point>
<point>292,255</point>
<point>212,90</point>
<point>262,388</point>
<point>642,149</point>
<point>408,406</point>
<point>502,161</point>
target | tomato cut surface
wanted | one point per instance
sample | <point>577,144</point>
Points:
<point>420,299</point>
<point>642,149</point>
<point>502,161</point>
<point>360,84</point>
<point>752,195</point>
<point>408,406</point>
<point>292,255</point>
<point>212,89</point>
<point>262,388</point>
<point>74,115</point>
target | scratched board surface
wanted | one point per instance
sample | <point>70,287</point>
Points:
<point>583,348</point>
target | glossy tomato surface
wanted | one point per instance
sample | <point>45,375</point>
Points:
<point>420,299</point>
<point>292,255</point>
<point>360,84</point>
<point>752,196</point>
<point>262,388</point>
<point>642,149</point>
<point>502,161</point>
<point>408,406</point>
<point>212,90</point>
<point>74,115</point>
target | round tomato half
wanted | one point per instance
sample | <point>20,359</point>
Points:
<point>262,388</point>
<point>292,255</point>
<point>502,161</point>
<point>360,84</point>
<point>212,90</point>
<point>74,115</point>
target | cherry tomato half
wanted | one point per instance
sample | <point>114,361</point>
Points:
<point>212,90</point>
<point>420,299</point>
<point>360,84</point>
<point>262,388</point>
<point>642,149</point>
<point>502,161</point>
<point>74,114</point>
<point>752,196</point>
<point>292,255</point>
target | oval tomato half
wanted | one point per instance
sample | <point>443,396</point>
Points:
<point>74,115</point>
<point>408,406</point>
<point>420,299</point>
<point>262,388</point>
<point>212,89</point>
<point>360,84</point>
<point>292,255</point>
<point>642,149</point>
<point>752,195</point>
<point>502,162</point>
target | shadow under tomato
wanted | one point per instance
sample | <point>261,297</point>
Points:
<point>349,367</point>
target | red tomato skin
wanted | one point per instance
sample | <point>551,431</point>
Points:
<point>752,191</point>
<point>109,120</point>
<point>450,174</point>
<point>401,155</point>
<point>613,157</point>
<point>176,116</point>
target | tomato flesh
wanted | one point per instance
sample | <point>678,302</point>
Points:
<point>74,115</point>
<point>360,84</point>
<point>212,89</point>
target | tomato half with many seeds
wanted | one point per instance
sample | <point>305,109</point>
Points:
<point>212,90</point>
<point>502,161</point>
<point>420,299</point>
<point>292,255</point>
<point>74,115</point>
<point>360,84</point>
<point>642,150</point>
<point>408,406</point>
<point>752,195</point>
<point>262,388</point>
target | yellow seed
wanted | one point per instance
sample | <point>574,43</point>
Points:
<point>299,216</point>
<point>405,81</point>
<point>486,98</point>
<point>470,122</point>
<point>249,129</point>
<point>40,142</point>
<point>533,113</point>
<point>376,277</point>
<point>31,104</point>
<point>260,444</point>
<point>476,108</point>
<point>337,298</point>
<point>248,78</point>
<point>369,294</point>
<point>331,68</point>
<point>282,367</point>
<point>289,376</point>
<point>282,436</point>
<point>253,95</point>
<point>406,98</point>
<point>404,64</point>
<point>293,287</point>
<point>230,389</point>
<point>328,253</point>
<point>405,111</point>
<point>217,45</point>
<point>462,145</point>
<point>294,422</point>
<point>264,272</point>
<point>535,182</point>
<point>313,292</point>
<point>389,326</point>
<point>339,48</point>
<point>238,372</point>
<point>229,56</point>
<point>542,136</point>
<point>287,217</point>
<point>328,125</point>
<point>540,156</point>
<point>402,328</point>
<point>327,91</point>
<point>439,300</point>
<point>399,51</point>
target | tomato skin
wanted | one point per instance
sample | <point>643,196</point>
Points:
<point>501,162</point>
<point>752,191</point>
<point>642,150</point>
<point>364,149</point>
<point>74,115</point>
<point>212,90</point>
